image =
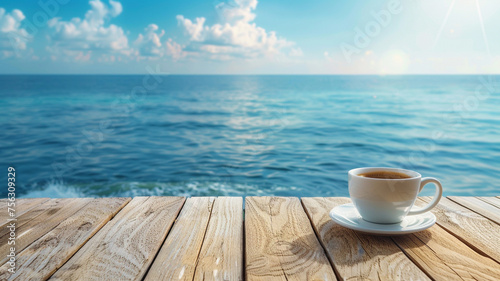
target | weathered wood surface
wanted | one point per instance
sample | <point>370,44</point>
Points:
<point>125,247</point>
<point>47,217</point>
<point>179,254</point>
<point>356,255</point>
<point>478,232</point>
<point>221,257</point>
<point>280,242</point>
<point>491,200</point>
<point>479,206</point>
<point>276,238</point>
<point>444,257</point>
<point>44,256</point>
<point>21,207</point>
<point>37,210</point>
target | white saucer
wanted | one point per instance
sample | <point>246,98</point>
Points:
<point>347,216</point>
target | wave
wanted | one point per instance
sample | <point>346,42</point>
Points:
<point>55,190</point>
<point>133,189</point>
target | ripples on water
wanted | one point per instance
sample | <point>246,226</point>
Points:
<point>245,135</point>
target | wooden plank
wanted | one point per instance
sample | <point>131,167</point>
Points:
<point>221,257</point>
<point>29,213</point>
<point>21,206</point>
<point>38,226</point>
<point>25,205</point>
<point>280,242</point>
<point>491,200</point>
<point>53,204</point>
<point>125,247</point>
<point>3,204</point>
<point>478,232</point>
<point>356,255</point>
<point>44,256</point>
<point>443,257</point>
<point>478,206</point>
<point>179,254</point>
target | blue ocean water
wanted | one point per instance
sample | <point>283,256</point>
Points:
<point>107,135</point>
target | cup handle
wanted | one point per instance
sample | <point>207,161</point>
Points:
<point>435,199</point>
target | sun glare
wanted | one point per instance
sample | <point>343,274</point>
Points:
<point>481,21</point>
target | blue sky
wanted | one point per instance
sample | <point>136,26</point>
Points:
<point>251,36</point>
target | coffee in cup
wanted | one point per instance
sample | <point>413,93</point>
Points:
<point>385,175</point>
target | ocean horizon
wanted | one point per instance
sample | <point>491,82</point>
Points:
<point>245,135</point>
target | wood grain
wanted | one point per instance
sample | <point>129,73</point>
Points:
<point>178,256</point>
<point>44,256</point>
<point>491,200</point>
<point>22,206</point>
<point>478,206</point>
<point>125,247</point>
<point>280,242</point>
<point>358,256</point>
<point>221,256</point>
<point>444,257</point>
<point>478,232</point>
<point>3,206</point>
<point>42,223</point>
<point>52,204</point>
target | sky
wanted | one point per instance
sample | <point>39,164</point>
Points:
<point>250,37</point>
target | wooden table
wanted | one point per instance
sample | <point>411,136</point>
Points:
<point>274,238</point>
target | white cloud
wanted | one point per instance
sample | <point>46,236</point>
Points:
<point>93,37</point>
<point>193,29</point>
<point>80,37</point>
<point>12,36</point>
<point>235,36</point>
<point>239,10</point>
<point>174,50</point>
<point>149,44</point>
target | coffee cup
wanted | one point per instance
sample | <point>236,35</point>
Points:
<point>387,195</point>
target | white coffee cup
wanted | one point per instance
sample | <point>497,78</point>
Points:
<point>381,200</point>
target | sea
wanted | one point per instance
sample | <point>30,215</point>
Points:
<point>188,135</point>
